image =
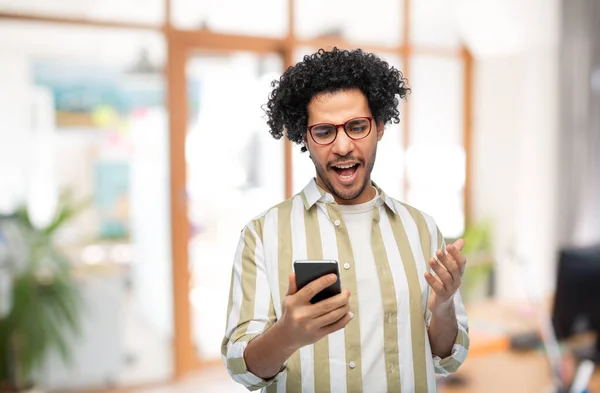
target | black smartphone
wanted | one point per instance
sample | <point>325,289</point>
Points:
<point>309,270</point>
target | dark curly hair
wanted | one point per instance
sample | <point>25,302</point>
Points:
<point>327,72</point>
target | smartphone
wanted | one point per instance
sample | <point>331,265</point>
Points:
<point>310,270</point>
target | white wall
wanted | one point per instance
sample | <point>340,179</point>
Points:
<point>514,167</point>
<point>15,130</point>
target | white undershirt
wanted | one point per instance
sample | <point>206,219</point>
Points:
<point>359,222</point>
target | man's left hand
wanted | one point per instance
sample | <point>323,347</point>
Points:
<point>448,277</point>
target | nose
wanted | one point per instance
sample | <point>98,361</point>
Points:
<point>343,145</point>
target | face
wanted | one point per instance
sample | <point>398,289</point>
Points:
<point>344,166</point>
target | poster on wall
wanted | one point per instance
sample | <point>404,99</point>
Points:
<point>111,183</point>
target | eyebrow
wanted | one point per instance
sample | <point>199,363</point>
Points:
<point>334,123</point>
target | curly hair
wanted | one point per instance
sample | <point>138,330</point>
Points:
<point>328,72</point>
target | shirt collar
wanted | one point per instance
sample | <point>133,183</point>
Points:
<point>312,193</point>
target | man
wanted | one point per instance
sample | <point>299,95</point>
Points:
<point>399,319</point>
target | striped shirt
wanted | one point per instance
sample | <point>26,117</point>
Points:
<point>311,226</point>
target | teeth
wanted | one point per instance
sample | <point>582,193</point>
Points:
<point>345,166</point>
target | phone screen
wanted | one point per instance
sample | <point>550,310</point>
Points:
<point>310,270</point>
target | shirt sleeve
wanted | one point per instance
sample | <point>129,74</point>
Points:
<point>460,349</point>
<point>250,310</point>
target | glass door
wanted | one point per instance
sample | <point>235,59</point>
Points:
<point>235,170</point>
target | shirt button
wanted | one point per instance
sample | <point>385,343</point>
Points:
<point>337,223</point>
<point>390,318</point>
<point>352,365</point>
<point>346,266</point>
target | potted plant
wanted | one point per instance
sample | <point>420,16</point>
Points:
<point>45,304</point>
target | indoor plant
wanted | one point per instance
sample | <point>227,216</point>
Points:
<point>43,313</point>
<point>478,276</point>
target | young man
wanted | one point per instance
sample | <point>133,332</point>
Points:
<point>399,319</point>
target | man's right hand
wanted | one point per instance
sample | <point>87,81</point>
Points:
<point>301,323</point>
<point>305,323</point>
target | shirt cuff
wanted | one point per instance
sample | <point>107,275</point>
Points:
<point>236,365</point>
<point>460,349</point>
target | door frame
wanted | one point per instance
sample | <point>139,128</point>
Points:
<point>181,46</point>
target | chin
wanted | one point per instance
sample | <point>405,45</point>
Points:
<point>344,189</point>
<point>346,194</point>
<point>350,192</point>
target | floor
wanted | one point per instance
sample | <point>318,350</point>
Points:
<point>210,380</point>
<point>499,372</point>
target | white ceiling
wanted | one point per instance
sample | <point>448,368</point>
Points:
<point>487,27</point>
<point>144,11</point>
<point>101,46</point>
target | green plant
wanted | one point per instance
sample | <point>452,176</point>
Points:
<point>480,259</point>
<point>477,237</point>
<point>46,303</point>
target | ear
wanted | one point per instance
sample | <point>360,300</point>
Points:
<point>306,140</point>
<point>380,130</point>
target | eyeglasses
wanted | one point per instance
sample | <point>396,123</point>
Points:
<point>325,133</point>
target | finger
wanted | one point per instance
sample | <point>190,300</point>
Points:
<point>449,263</point>
<point>316,286</point>
<point>327,305</point>
<point>456,254</point>
<point>434,284</point>
<point>458,257</point>
<point>441,272</point>
<point>332,316</point>
<point>291,285</point>
<point>334,327</point>
<point>459,244</point>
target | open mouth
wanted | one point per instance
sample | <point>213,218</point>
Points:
<point>346,172</point>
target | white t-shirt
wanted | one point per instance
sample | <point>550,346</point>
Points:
<point>359,223</point>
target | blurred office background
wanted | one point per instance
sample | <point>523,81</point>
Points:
<point>145,117</point>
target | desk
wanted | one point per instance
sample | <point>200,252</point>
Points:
<point>492,367</point>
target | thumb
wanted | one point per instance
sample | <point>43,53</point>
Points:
<point>459,244</point>
<point>291,285</point>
